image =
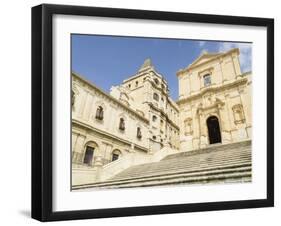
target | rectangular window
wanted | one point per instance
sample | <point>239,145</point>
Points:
<point>207,80</point>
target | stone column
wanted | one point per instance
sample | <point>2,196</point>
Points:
<point>236,65</point>
<point>82,101</point>
<point>74,137</point>
<point>111,123</point>
<point>88,107</point>
<point>131,129</point>
<point>246,102</point>
<point>132,149</point>
<point>108,151</point>
<point>201,128</point>
<point>98,168</point>
<point>196,128</point>
<point>203,131</point>
<point>224,124</point>
<point>230,121</point>
<point>78,149</point>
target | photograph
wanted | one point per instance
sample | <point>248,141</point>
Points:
<point>153,111</point>
<point>143,112</point>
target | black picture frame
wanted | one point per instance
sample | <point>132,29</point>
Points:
<point>42,86</point>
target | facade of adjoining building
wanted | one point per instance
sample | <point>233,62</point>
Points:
<point>138,116</point>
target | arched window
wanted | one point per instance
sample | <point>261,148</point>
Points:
<point>99,113</point>
<point>72,97</point>
<point>207,79</point>
<point>139,133</point>
<point>154,137</point>
<point>154,118</point>
<point>238,114</point>
<point>155,96</point>
<point>88,156</point>
<point>156,81</point>
<point>122,124</point>
<point>115,155</point>
<point>137,83</point>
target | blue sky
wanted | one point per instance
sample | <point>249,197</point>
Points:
<point>108,60</point>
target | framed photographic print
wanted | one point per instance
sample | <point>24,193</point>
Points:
<point>145,112</point>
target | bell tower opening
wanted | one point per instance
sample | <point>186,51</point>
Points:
<point>214,130</point>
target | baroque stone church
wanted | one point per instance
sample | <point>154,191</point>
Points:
<point>139,135</point>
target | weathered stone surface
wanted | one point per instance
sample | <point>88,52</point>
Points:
<point>218,164</point>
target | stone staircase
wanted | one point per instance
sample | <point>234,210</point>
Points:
<point>216,164</point>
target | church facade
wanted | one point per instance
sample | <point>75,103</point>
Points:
<point>214,101</point>
<point>138,116</point>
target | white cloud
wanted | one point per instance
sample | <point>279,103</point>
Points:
<point>204,51</point>
<point>202,43</point>
<point>245,53</point>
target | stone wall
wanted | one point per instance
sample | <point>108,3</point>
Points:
<point>103,134</point>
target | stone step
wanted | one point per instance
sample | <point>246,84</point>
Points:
<point>179,169</point>
<point>214,148</point>
<point>183,177</point>
<point>204,157</point>
<point>217,163</point>
<point>165,164</point>
<point>199,157</point>
<point>222,178</point>
<point>186,165</point>
<point>198,169</point>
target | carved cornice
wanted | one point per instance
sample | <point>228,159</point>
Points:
<point>111,98</point>
<point>105,134</point>
<point>213,88</point>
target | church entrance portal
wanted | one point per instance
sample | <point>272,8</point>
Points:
<point>214,130</point>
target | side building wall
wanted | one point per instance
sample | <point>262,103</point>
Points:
<point>96,133</point>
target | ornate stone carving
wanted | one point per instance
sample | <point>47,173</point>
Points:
<point>238,114</point>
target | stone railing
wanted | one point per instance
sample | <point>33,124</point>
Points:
<point>82,175</point>
<point>132,159</point>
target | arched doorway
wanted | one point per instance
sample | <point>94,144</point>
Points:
<point>214,130</point>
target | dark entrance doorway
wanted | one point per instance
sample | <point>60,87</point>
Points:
<point>89,155</point>
<point>214,130</point>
